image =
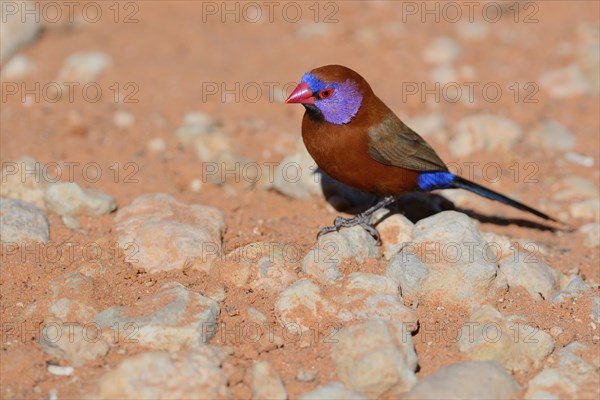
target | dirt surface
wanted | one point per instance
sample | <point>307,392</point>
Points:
<point>172,53</point>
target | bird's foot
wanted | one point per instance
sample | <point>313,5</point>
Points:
<point>362,220</point>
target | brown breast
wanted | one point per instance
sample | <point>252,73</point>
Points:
<point>341,151</point>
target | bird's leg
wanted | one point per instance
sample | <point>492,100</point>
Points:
<point>363,219</point>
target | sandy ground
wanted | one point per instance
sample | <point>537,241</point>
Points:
<point>175,53</point>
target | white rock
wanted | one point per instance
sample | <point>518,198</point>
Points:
<point>26,179</point>
<point>266,384</point>
<point>195,374</point>
<point>332,391</point>
<point>572,378</point>
<point>552,135</point>
<point>123,119</point>
<point>374,356</point>
<point>488,335</point>
<point>442,50</point>
<point>160,233</point>
<point>185,319</point>
<point>78,344</point>
<point>83,67</point>
<point>562,83</point>
<point>483,132</point>
<point>395,231</point>
<point>60,371</point>
<point>17,68</point>
<point>17,29</point>
<point>466,380</point>
<point>266,266</point>
<point>359,296</point>
<point>22,222</point>
<point>586,209</point>
<point>527,271</point>
<point>304,294</point>
<point>472,30</point>
<point>156,145</point>
<point>323,260</point>
<point>579,159</point>
<point>448,258</point>
<point>69,199</point>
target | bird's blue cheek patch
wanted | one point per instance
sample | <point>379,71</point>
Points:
<point>343,105</point>
<point>435,180</point>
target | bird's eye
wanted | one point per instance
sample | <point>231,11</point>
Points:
<point>326,93</point>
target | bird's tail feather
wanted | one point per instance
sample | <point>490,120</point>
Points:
<point>461,183</point>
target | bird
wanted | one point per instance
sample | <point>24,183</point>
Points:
<point>357,140</point>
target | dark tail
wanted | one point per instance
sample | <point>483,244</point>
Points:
<point>461,183</point>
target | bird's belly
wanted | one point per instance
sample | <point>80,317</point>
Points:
<point>352,165</point>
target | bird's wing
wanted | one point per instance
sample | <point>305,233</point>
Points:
<point>391,142</point>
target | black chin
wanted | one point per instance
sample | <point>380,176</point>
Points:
<point>313,111</point>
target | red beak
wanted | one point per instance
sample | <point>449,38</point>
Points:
<point>301,94</point>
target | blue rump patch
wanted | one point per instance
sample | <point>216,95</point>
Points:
<point>435,180</point>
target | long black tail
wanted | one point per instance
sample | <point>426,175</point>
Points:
<point>461,183</point>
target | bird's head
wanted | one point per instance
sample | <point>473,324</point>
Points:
<point>331,93</point>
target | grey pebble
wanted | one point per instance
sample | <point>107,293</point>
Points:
<point>22,222</point>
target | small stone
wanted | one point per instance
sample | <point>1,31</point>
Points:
<point>266,384</point>
<point>306,376</point>
<point>374,356</point>
<point>447,258</point>
<point>167,234</point>
<point>489,335</point>
<point>579,159</point>
<point>83,67</point>
<point>427,124</point>
<point>443,50</point>
<point>556,331</point>
<point>595,315</point>
<point>75,343</point>
<point>332,391</point>
<point>564,82</point>
<point>68,198</point>
<point>195,374</point>
<point>466,380</point>
<point>196,124</point>
<point>26,179</point>
<point>16,69</point>
<point>156,145</point>
<point>261,266</point>
<point>576,188</point>
<point>586,209</point>
<point>359,296</point>
<point>483,132</point>
<point>123,119</point>
<point>22,222</point>
<point>553,136</point>
<point>445,74</point>
<point>17,30</point>
<point>573,378</point>
<point>304,295</point>
<point>315,30</point>
<point>395,231</point>
<point>60,371</point>
<point>196,185</point>
<point>256,315</point>
<point>323,260</point>
<point>472,30</point>
<point>174,319</point>
<point>527,271</point>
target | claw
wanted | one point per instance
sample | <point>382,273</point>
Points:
<point>363,220</point>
